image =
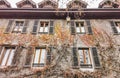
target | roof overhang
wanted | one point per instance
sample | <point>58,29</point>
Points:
<point>38,13</point>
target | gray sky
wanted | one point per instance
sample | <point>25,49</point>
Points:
<point>91,3</point>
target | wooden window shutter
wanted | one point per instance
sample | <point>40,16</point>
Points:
<point>51,30</point>
<point>24,30</point>
<point>28,59</point>
<point>95,58</point>
<point>75,57</point>
<point>89,27</point>
<point>9,26</point>
<point>0,49</point>
<point>113,27</point>
<point>49,55</point>
<point>73,31</point>
<point>17,55</point>
<point>35,26</point>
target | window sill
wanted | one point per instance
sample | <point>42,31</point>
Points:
<point>80,33</point>
<point>38,65</point>
<point>42,32</point>
<point>85,65</point>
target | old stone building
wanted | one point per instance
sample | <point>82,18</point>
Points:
<point>44,41</point>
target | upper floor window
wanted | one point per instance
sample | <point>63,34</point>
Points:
<point>80,28</point>
<point>118,26</point>
<point>18,26</point>
<point>44,27</point>
<point>6,56</point>
<point>115,25</point>
<point>39,57</point>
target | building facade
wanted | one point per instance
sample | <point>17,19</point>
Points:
<point>49,42</point>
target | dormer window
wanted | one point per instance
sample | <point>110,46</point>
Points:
<point>75,4</point>
<point>48,4</point>
<point>108,4</point>
<point>4,4</point>
<point>26,4</point>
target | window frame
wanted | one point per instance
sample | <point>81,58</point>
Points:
<point>90,57</point>
<point>2,55</point>
<point>15,22</point>
<point>116,25</point>
<point>39,26</point>
<point>80,27</point>
<point>39,65</point>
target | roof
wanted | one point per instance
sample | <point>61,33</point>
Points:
<point>83,2</point>
<point>6,2</point>
<point>52,1</point>
<point>21,3</point>
<point>114,4</point>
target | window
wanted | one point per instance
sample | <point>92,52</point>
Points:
<point>117,26</point>
<point>80,27</point>
<point>39,57</point>
<point>18,26</point>
<point>84,57</point>
<point>6,56</point>
<point>44,27</point>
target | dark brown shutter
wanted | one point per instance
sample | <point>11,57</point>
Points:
<point>75,57</point>
<point>35,26</point>
<point>0,49</point>
<point>28,59</point>
<point>89,27</point>
<point>49,55</point>
<point>25,26</point>
<point>51,30</point>
<point>113,27</point>
<point>73,28</point>
<point>95,58</point>
<point>9,26</point>
<point>16,58</point>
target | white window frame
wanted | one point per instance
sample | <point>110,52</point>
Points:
<point>7,55</point>
<point>85,64</point>
<point>80,29</point>
<point>40,59</point>
<point>18,28</point>
<point>117,25</point>
<point>43,31</point>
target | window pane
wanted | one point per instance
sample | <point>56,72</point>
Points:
<point>11,57</point>
<point>21,27</point>
<point>46,29</point>
<point>81,56</point>
<point>118,28</point>
<point>1,52</point>
<point>82,29</point>
<point>43,53</point>
<point>16,28</point>
<point>77,29</point>
<point>5,57</point>
<point>37,54</point>
<point>87,57</point>
<point>41,29</point>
